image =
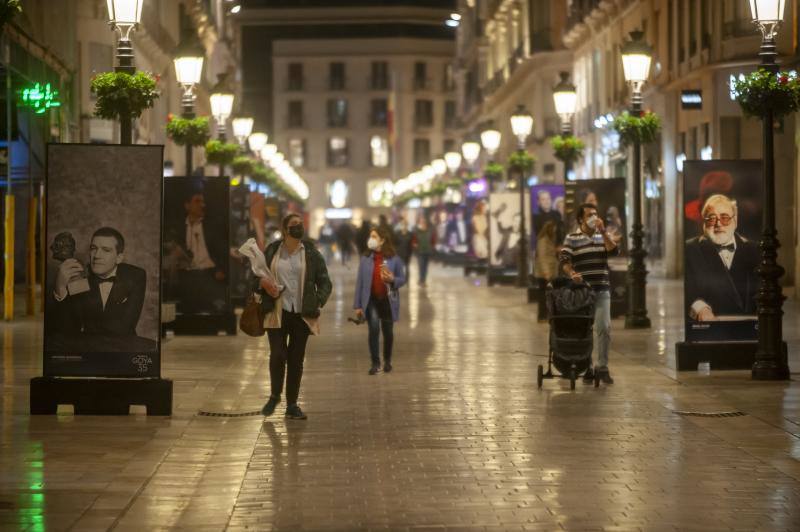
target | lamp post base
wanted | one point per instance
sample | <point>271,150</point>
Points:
<point>637,322</point>
<point>768,370</point>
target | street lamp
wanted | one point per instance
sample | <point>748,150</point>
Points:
<point>256,141</point>
<point>124,16</point>
<point>221,104</point>
<point>636,57</point>
<point>566,100</point>
<point>521,126</point>
<point>453,160</point>
<point>242,127</point>
<point>267,152</point>
<point>439,166</point>
<point>490,139</point>
<point>471,151</point>
<point>189,57</point>
<point>770,363</point>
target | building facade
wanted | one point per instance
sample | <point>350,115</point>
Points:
<point>355,94</point>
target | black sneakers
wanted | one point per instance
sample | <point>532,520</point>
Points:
<point>294,412</point>
<point>269,408</point>
<point>374,370</point>
<point>605,376</point>
<point>588,376</point>
<point>387,367</point>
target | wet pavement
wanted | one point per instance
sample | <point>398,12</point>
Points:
<point>458,437</point>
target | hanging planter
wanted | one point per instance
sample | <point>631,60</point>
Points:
<point>521,161</point>
<point>567,148</point>
<point>191,131</point>
<point>243,165</point>
<point>493,171</point>
<point>8,10</point>
<point>762,91</point>
<point>121,95</point>
<point>631,128</point>
<point>222,153</point>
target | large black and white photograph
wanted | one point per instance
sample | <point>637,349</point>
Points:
<point>504,228</point>
<point>196,245</point>
<point>102,311</point>
<point>722,213</point>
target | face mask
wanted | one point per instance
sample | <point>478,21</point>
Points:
<point>373,244</point>
<point>296,231</point>
<point>592,221</point>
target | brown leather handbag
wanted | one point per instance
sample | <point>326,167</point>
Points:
<point>251,321</point>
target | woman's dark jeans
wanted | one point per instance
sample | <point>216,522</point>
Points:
<point>376,324</point>
<point>287,348</point>
<point>423,261</point>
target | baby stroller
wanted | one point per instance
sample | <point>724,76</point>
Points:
<point>571,309</point>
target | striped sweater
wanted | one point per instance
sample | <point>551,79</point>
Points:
<point>588,258</point>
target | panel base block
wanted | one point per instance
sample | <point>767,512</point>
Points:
<point>100,397</point>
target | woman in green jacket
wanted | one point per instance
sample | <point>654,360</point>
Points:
<point>302,289</point>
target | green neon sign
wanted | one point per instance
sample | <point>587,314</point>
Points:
<point>40,98</point>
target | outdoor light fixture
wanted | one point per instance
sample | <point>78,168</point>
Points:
<point>276,160</point>
<point>428,172</point>
<point>565,98</point>
<point>521,125</point>
<point>267,152</point>
<point>439,166</point>
<point>256,141</point>
<point>453,160</point>
<point>471,151</point>
<point>490,139</point>
<point>771,356</point>
<point>636,57</point>
<point>124,16</point>
<point>242,127</point>
<point>189,57</point>
<point>221,103</point>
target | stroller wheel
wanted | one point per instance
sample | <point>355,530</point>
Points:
<point>539,375</point>
<point>572,379</point>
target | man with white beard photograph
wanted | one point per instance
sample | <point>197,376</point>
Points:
<point>721,266</point>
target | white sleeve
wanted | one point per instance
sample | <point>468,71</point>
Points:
<point>697,307</point>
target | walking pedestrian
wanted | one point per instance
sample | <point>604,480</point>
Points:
<point>423,241</point>
<point>302,289</point>
<point>584,257</point>
<point>380,274</point>
<point>362,235</point>
<point>402,242</point>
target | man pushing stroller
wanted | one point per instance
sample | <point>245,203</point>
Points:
<point>584,257</point>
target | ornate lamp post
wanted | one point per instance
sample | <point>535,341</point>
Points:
<point>256,141</point>
<point>636,57</point>
<point>267,152</point>
<point>221,104</point>
<point>439,166</point>
<point>189,58</point>
<point>453,161</point>
<point>490,140</point>
<point>566,100</point>
<point>242,127</point>
<point>521,126</point>
<point>771,363</point>
<point>471,151</point>
<point>124,16</point>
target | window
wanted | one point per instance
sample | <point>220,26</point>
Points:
<point>295,76</point>
<point>379,151</point>
<point>379,112</point>
<point>297,152</point>
<point>423,113</point>
<point>422,152</point>
<point>449,113</point>
<point>337,152</point>
<point>337,112</point>
<point>449,79</point>
<point>336,76</point>
<point>420,75</point>
<point>539,20</point>
<point>380,75</point>
<point>295,113</point>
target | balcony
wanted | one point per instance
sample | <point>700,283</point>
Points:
<point>579,10</point>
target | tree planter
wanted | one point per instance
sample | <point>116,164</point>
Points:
<point>188,131</point>
<point>122,96</point>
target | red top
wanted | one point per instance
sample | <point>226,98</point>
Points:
<point>378,286</point>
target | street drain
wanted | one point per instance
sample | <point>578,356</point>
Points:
<point>709,414</point>
<point>229,414</point>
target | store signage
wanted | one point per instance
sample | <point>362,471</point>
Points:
<point>39,97</point>
<point>691,99</point>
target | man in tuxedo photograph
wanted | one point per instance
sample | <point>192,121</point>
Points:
<point>721,265</point>
<point>197,247</point>
<point>104,317</point>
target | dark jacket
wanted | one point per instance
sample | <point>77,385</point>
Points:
<point>84,313</point>
<point>317,285</point>
<point>727,292</point>
<point>215,236</point>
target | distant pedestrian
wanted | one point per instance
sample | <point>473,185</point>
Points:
<point>302,289</point>
<point>344,241</point>
<point>402,242</point>
<point>362,235</point>
<point>380,274</point>
<point>584,257</point>
<point>422,243</point>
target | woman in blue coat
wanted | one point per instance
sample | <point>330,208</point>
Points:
<point>380,273</point>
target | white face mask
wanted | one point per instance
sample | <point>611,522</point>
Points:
<point>592,221</point>
<point>373,244</point>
